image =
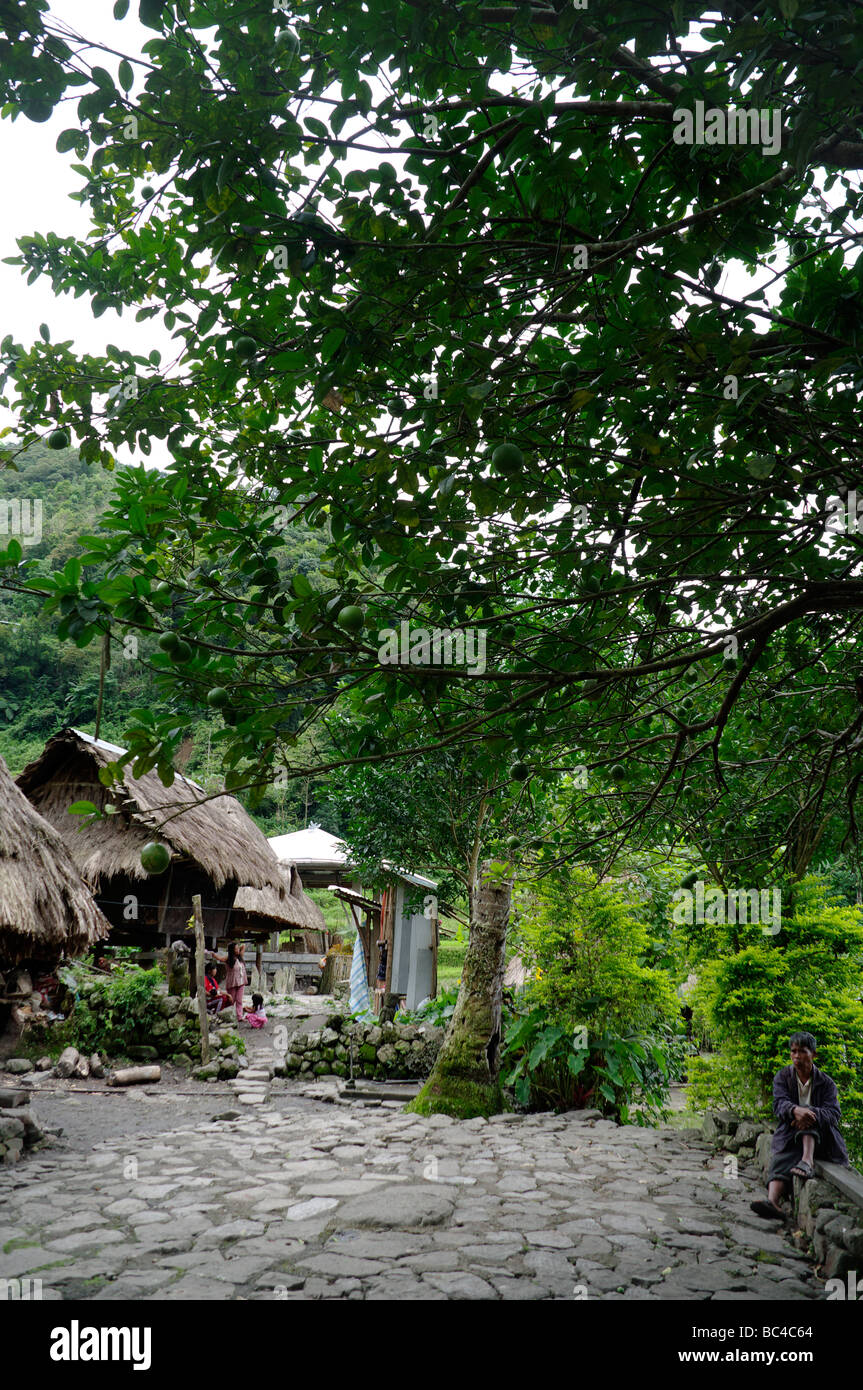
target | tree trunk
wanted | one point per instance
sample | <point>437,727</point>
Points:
<point>465,1079</point>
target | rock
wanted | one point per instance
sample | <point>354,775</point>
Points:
<point>367,1052</point>
<point>400,1205</point>
<point>181,1059</point>
<point>169,1005</point>
<point>209,1072</point>
<point>718,1123</point>
<point>159,1028</point>
<point>227,1070</point>
<point>322,1068</point>
<point>16,1066</point>
<point>97,1068</point>
<point>69,1059</point>
<point>81,1070</point>
<point>10,1099</point>
<point>143,1053</point>
<point>335,1022</point>
<point>386,1055</point>
<point>11,1128</point>
<point>329,1036</point>
<point>748,1131</point>
<point>44,1064</point>
<point>374,1036</point>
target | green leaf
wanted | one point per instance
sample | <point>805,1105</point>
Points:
<point>82,808</point>
<point>126,75</point>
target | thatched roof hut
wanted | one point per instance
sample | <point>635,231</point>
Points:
<point>46,911</point>
<point>269,909</point>
<point>216,848</point>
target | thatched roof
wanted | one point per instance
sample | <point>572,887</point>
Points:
<point>289,905</point>
<point>45,909</point>
<point>214,833</point>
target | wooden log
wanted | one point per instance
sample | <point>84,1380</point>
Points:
<point>199,979</point>
<point>135,1076</point>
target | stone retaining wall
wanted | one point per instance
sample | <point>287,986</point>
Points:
<point>833,1223</point>
<point>18,1128</point>
<point>382,1052</point>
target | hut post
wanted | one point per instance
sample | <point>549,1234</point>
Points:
<point>199,978</point>
<point>259,964</point>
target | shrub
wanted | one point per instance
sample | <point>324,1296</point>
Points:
<point>108,1011</point>
<point>597,1023</point>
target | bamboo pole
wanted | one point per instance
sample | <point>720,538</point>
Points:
<point>199,978</point>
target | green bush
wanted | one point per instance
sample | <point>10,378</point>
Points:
<point>806,978</point>
<point>597,1023</point>
<point>551,1068</point>
<point>110,1011</point>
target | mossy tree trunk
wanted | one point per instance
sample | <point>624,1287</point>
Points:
<point>465,1080</point>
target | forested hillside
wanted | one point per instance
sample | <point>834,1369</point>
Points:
<point>46,681</point>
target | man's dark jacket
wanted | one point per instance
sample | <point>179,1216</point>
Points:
<point>824,1102</point>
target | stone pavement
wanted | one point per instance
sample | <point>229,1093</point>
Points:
<point>331,1202</point>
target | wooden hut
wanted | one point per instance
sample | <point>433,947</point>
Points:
<point>216,849</point>
<point>46,910</point>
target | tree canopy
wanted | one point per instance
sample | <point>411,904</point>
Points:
<point>387,241</point>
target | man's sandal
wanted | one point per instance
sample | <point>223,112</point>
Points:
<point>802,1170</point>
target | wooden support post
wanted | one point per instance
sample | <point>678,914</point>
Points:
<point>259,965</point>
<point>199,978</point>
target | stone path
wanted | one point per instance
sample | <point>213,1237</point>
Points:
<point>252,1086</point>
<point>324,1202</point>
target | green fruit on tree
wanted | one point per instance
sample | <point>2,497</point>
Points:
<point>148,191</point>
<point>155,858</point>
<point>182,652</point>
<point>58,439</point>
<point>618,773</point>
<point>519,772</point>
<point>570,371</point>
<point>561,389</point>
<point>405,513</point>
<point>691,676</point>
<point>689,881</point>
<point>513,842</point>
<point>169,642</point>
<point>245,347</point>
<point>351,618</point>
<point>218,697</point>
<point>508,458</point>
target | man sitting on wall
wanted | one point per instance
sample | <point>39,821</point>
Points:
<point>807,1107</point>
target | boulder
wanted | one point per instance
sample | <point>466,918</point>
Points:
<point>81,1070</point>
<point>368,1052</point>
<point>69,1058</point>
<point>718,1123</point>
<point>143,1053</point>
<point>227,1070</point>
<point>97,1068</point>
<point>815,1194</point>
<point>209,1072</point>
<point>181,1059</point>
<point>329,1036</point>
<point>16,1066</point>
<point>159,1028</point>
<point>386,1054</point>
<point>9,1100</point>
<point>374,1036</point>
<point>169,1005</point>
<point>44,1064</point>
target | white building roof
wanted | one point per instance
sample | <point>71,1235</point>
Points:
<point>312,846</point>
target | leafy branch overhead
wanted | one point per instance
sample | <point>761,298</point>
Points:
<point>444,284</point>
